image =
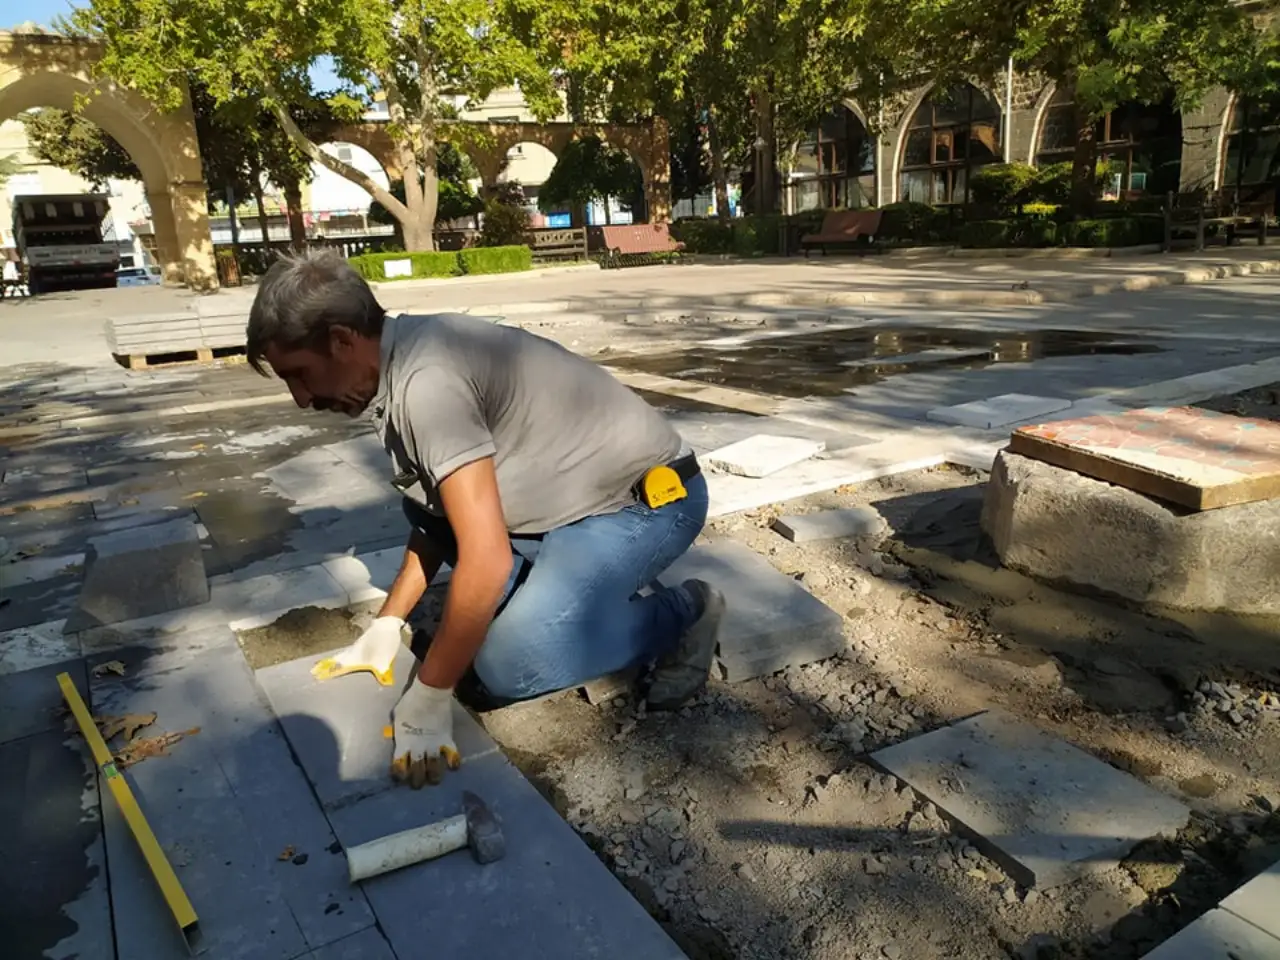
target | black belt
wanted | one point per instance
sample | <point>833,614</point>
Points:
<point>686,468</point>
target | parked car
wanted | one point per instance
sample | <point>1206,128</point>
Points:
<point>137,276</point>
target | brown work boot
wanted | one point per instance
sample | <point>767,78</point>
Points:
<point>684,671</point>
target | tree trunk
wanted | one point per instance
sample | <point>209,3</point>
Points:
<point>264,222</point>
<point>719,177</point>
<point>608,219</point>
<point>1084,165</point>
<point>233,220</point>
<point>766,201</point>
<point>297,225</point>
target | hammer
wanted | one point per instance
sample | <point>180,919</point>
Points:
<point>475,827</point>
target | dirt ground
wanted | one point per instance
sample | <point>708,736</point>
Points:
<point>751,824</point>
<point>1262,403</point>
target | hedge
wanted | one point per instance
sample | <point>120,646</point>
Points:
<point>370,265</point>
<point>477,260</point>
<point>995,234</point>
<point>1113,232</point>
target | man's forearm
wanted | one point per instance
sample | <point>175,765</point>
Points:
<point>419,566</point>
<point>475,590</point>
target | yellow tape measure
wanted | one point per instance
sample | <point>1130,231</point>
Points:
<point>660,486</point>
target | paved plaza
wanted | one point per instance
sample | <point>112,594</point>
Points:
<point>256,510</point>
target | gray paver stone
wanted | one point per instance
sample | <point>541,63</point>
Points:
<point>368,944</point>
<point>1218,936</point>
<point>226,803</point>
<point>335,726</point>
<point>51,834</point>
<point>549,898</point>
<point>764,454</point>
<point>1258,901</point>
<point>140,572</point>
<point>1044,809</point>
<point>770,622</point>
<point>830,524</point>
<point>31,701</point>
<point>997,411</point>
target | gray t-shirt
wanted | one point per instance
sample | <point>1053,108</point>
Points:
<point>568,440</point>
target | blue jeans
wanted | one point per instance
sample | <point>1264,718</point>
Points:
<point>570,612</point>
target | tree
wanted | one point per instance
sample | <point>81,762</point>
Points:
<point>1101,52</point>
<point>456,199</point>
<point>9,165</point>
<point>590,171</point>
<point>74,144</point>
<point>415,52</point>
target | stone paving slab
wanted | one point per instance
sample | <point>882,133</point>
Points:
<point>335,726</point>
<point>549,898</point>
<point>763,454</point>
<point>139,572</point>
<point>51,834</point>
<point>31,702</point>
<point>997,411</point>
<point>831,524</point>
<point>26,648</point>
<point>1258,901</point>
<point>771,622</point>
<point>1042,808</point>
<point>1218,936</point>
<point>368,944</point>
<point>226,804</point>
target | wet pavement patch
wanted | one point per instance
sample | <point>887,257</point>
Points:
<point>831,363</point>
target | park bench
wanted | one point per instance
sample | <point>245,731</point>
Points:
<point>1198,215</point>
<point>558,244</point>
<point>635,243</point>
<point>843,227</point>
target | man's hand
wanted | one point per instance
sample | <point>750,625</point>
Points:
<point>374,651</point>
<point>423,726</point>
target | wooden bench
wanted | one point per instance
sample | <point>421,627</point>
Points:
<point>1195,215</point>
<point>635,243</point>
<point>558,244</point>
<point>842,227</point>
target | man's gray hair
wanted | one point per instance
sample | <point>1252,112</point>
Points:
<point>302,296</point>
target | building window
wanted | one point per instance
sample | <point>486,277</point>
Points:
<point>951,134</point>
<point>1142,143</point>
<point>835,164</point>
<point>1253,146</point>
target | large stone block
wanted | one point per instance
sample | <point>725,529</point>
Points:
<point>1044,809</point>
<point>1258,900</point>
<point>831,524</point>
<point>1060,526</point>
<point>771,622</point>
<point>1218,936</point>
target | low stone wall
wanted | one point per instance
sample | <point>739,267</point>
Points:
<point>1059,526</point>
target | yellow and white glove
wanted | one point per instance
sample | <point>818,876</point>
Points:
<point>423,727</point>
<point>374,651</point>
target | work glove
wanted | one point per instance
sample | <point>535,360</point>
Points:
<point>374,651</point>
<point>422,723</point>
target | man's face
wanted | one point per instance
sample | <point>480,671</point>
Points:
<point>343,379</point>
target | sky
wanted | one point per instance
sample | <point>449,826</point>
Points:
<point>44,11</point>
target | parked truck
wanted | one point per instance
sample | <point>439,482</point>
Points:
<point>60,238</point>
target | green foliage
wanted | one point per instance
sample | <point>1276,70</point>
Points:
<point>9,165</point>
<point>371,265</point>
<point>505,224</point>
<point>1001,234</point>
<point>1004,184</point>
<point>512,259</point>
<point>1040,211</point>
<point>704,236</point>
<point>589,171</point>
<point>914,223</point>
<point>74,144</point>
<point>1127,231</point>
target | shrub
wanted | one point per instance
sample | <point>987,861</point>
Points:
<point>996,234</point>
<point>1004,184</point>
<point>704,236</point>
<point>1040,211</point>
<point>476,260</point>
<point>505,225</point>
<point>906,220</point>
<point>371,265</point>
<point>1115,232</point>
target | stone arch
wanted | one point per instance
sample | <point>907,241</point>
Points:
<point>324,172</point>
<point>815,180</point>
<point>1223,140</point>
<point>1041,112</point>
<point>914,104</point>
<point>40,70</point>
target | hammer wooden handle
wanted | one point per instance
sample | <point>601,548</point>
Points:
<point>409,846</point>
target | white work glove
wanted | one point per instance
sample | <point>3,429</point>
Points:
<point>423,727</point>
<point>374,651</point>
